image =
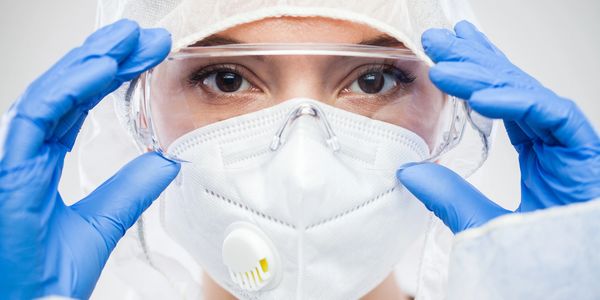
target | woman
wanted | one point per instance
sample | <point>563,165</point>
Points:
<point>166,114</point>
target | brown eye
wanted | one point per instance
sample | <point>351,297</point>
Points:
<point>371,83</point>
<point>379,79</point>
<point>226,82</point>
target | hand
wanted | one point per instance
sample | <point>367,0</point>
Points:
<point>559,150</point>
<point>48,248</point>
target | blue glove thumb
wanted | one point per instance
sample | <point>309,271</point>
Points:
<point>100,220</point>
<point>456,202</point>
<point>116,204</point>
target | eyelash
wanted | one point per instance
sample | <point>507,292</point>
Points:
<point>403,77</point>
<point>198,76</point>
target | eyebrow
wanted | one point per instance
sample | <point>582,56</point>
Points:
<point>381,40</point>
<point>215,40</point>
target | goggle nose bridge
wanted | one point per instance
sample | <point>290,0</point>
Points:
<point>311,110</point>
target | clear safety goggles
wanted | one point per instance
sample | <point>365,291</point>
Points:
<point>199,86</point>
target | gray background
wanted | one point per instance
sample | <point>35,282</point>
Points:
<point>558,42</point>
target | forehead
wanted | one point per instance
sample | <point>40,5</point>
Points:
<point>301,30</point>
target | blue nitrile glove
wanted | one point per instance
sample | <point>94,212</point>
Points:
<point>559,151</point>
<point>46,247</point>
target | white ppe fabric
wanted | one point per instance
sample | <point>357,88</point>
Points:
<point>339,220</point>
<point>162,267</point>
<point>190,20</point>
<point>557,248</point>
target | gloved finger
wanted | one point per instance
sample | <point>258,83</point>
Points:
<point>80,75</point>
<point>461,79</point>
<point>27,129</point>
<point>516,134</point>
<point>74,118</point>
<point>69,137</point>
<point>550,117</point>
<point>115,206</point>
<point>115,40</point>
<point>444,45</point>
<point>152,48</point>
<point>457,203</point>
<point>22,187</point>
<point>468,31</point>
<point>514,105</point>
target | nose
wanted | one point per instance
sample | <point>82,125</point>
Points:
<point>303,76</point>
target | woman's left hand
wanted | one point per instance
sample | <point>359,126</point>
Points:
<point>559,150</point>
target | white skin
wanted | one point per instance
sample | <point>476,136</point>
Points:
<point>421,118</point>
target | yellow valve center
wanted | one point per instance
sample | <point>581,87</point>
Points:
<point>264,265</point>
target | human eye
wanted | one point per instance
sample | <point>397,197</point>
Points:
<point>379,80</point>
<point>222,79</point>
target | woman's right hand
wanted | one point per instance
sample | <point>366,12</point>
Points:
<point>46,247</point>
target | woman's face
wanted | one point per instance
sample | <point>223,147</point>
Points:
<point>198,93</point>
<point>288,77</point>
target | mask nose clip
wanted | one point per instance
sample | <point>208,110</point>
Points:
<point>306,109</point>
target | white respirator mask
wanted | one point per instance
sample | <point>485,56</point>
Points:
<point>295,201</point>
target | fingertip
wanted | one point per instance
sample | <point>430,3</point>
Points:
<point>126,24</point>
<point>430,182</point>
<point>437,72</point>
<point>468,31</point>
<point>435,36</point>
<point>168,166</point>
<point>150,172</point>
<point>426,182</point>
<point>153,47</point>
<point>406,166</point>
<point>406,174</point>
<point>157,38</point>
<point>461,79</point>
<point>157,158</point>
<point>479,98</point>
<point>464,26</point>
<point>412,174</point>
<point>173,168</point>
<point>464,23</point>
<point>434,40</point>
<point>114,33</point>
<point>159,32</point>
<point>441,191</point>
<point>444,76</point>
